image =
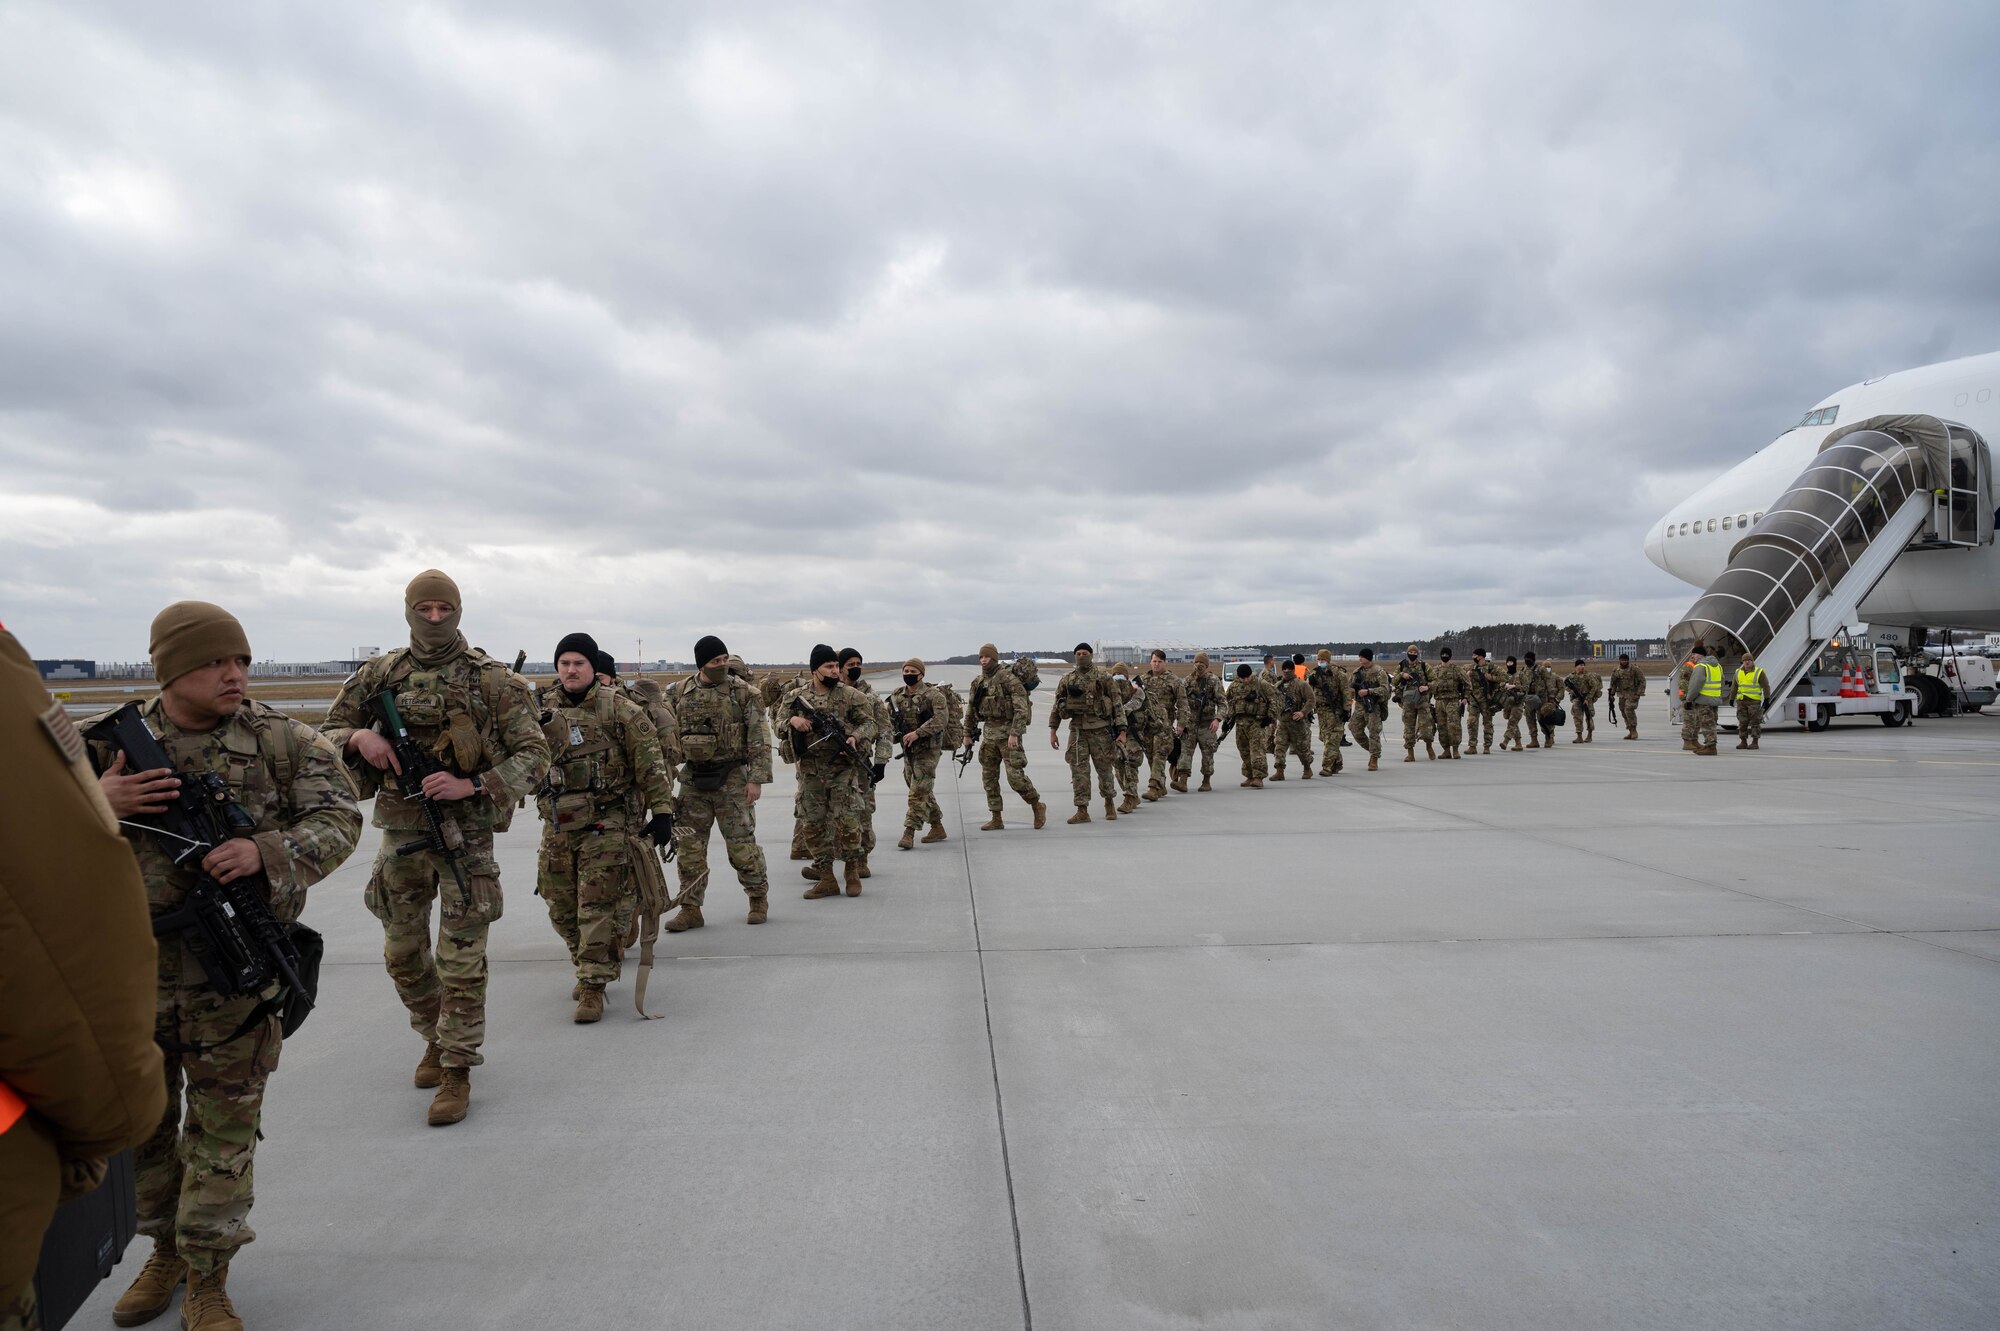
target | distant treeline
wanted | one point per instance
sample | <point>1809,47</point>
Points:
<point>1550,640</point>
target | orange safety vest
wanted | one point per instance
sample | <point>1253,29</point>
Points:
<point>12,1107</point>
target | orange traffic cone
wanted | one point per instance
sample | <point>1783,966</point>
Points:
<point>1850,682</point>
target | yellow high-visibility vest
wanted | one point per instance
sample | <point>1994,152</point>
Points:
<point>1710,691</point>
<point>1750,684</point>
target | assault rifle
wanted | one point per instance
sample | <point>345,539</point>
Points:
<point>442,834</point>
<point>243,948</point>
<point>520,659</point>
<point>972,727</point>
<point>826,727</point>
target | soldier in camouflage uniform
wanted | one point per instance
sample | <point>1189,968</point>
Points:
<point>1448,689</point>
<point>607,782</point>
<point>1163,712</point>
<point>1513,698</point>
<point>1482,695</point>
<point>1252,705</point>
<point>1371,706</point>
<point>1540,682</point>
<point>724,748</point>
<point>918,714</point>
<point>1293,734</point>
<point>1585,688</point>
<point>884,749</point>
<point>194,1173</point>
<point>833,773</point>
<point>1332,703</point>
<point>1750,687</point>
<point>1088,699</point>
<point>1128,749</point>
<point>999,713</point>
<point>1413,691</point>
<point>479,719</point>
<point>1627,685</point>
<point>1205,704</point>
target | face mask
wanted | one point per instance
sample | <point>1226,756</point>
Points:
<point>989,667</point>
<point>715,674</point>
<point>854,674</point>
<point>911,681</point>
<point>827,681</point>
<point>434,644</point>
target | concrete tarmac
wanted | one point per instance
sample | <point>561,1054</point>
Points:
<point>1604,1036</point>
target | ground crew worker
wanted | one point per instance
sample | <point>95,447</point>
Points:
<point>1331,704</point>
<point>1206,704</point>
<point>1627,684</point>
<point>1088,699</point>
<point>80,1076</point>
<point>1165,711</point>
<point>607,784</point>
<point>917,715</point>
<point>1482,697</point>
<point>833,771</point>
<point>1294,729</point>
<point>1371,706</point>
<point>1413,691</point>
<point>724,747</point>
<point>1753,690</point>
<point>1704,698</point>
<point>194,1177</point>
<point>1585,688</point>
<point>1000,712</point>
<point>479,720</point>
<point>1252,704</point>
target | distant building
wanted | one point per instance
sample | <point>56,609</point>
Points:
<point>67,669</point>
<point>1112,651</point>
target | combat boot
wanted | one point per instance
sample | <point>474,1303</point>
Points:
<point>1110,814</point>
<point>1154,794</point>
<point>1256,783</point>
<point>429,1072</point>
<point>1180,782</point>
<point>1757,743</point>
<point>1306,775</point>
<point>687,917</point>
<point>935,834</point>
<point>1372,763</point>
<point>994,824</point>
<point>1430,751</point>
<point>1041,815</point>
<point>810,873</point>
<point>152,1292</point>
<point>1742,743</point>
<point>589,1005</point>
<point>1130,804</point>
<point>760,910</point>
<point>207,1306</point>
<point>1082,815</point>
<point>1205,785</point>
<point>1409,755</point>
<point>824,885</point>
<point>454,1095</point>
<point>1534,742</point>
<point>1278,775</point>
<point>1687,746</point>
<point>856,871</point>
<point>861,866</point>
<point>908,841</point>
<point>1488,748</point>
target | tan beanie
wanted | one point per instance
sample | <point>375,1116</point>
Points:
<point>1325,655</point>
<point>431,585</point>
<point>187,635</point>
<point>914,664</point>
<point>988,649</point>
<point>1201,658</point>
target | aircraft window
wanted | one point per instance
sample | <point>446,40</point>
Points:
<point>1823,416</point>
<point>1711,524</point>
<point>1684,529</point>
<point>1757,517</point>
<point>1725,524</point>
<point>1742,519</point>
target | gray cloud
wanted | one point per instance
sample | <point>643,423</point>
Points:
<point>912,325</point>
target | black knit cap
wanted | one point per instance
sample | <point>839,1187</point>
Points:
<point>606,664</point>
<point>581,643</point>
<point>822,654</point>
<point>1083,647</point>
<point>1298,658</point>
<point>849,654</point>
<point>1243,671</point>
<point>708,649</point>
<point>1367,653</point>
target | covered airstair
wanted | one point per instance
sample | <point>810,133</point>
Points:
<point>1876,488</point>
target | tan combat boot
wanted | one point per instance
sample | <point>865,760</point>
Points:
<point>908,841</point>
<point>152,1292</point>
<point>1041,815</point>
<point>429,1072</point>
<point>207,1306</point>
<point>935,834</point>
<point>687,917</point>
<point>856,871</point>
<point>1082,815</point>
<point>1180,782</point>
<point>860,866</point>
<point>589,1005</point>
<point>1204,785</point>
<point>824,885</point>
<point>1373,764</point>
<point>994,824</point>
<point>1256,783</point>
<point>1278,775</point>
<point>760,909</point>
<point>1154,794</point>
<point>1409,755</point>
<point>454,1094</point>
<point>1306,775</point>
<point>1430,751</point>
<point>1487,747</point>
<point>1110,814</point>
<point>810,873</point>
<point>1130,804</point>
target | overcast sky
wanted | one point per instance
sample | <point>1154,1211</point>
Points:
<point>910,325</point>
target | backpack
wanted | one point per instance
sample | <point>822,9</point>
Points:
<point>954,718</point>
<point>1027,672</point>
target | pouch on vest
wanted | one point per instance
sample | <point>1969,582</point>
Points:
<point>709,777</point>
<point>575,810</point>
<point>298,1003</point>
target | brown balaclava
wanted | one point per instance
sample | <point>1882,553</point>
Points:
<point>433,644</point>
<point>189,634</point>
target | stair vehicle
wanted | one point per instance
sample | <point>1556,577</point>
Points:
<point>1852,681</point>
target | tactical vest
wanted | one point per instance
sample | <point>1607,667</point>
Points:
<point>589,777</point>
<point>1205,698</point>
<point>710,720</point>
<point>907,714</point>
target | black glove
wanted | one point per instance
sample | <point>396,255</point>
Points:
<point>661,829</point>
<point>876,773</point>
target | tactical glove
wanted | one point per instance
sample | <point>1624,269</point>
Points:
<point>876,773</point>
<point>661,829</point>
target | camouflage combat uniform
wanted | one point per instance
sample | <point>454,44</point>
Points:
<point>1128,751</point>
<point>1749,711</point>
<point>832,799</point>
<point>922,710</point>
<point>1206,704</point>
<point>1161,713</point>
<point>1585,688</point>
<point>480,718</point>
<point>724,746</point>
<point>194,1176</point>
<point>1628,684</point>
<point>1413,681</point>
<point>1513,699</point>
<point>1448,687</point>
<point>1482,696</point>
<point>1252,705</point>
<point>1333,701</point>
<point>1371,708</point>
<point>1293,735</point>
<point>1000,708</point>
<point>606,776</point>
<point>1088,699</point>
<point>1541,683</point>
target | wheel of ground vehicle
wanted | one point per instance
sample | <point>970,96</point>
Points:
<point>1819,718</point>
<point>1930,694</point>
<point>1899,716</point>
